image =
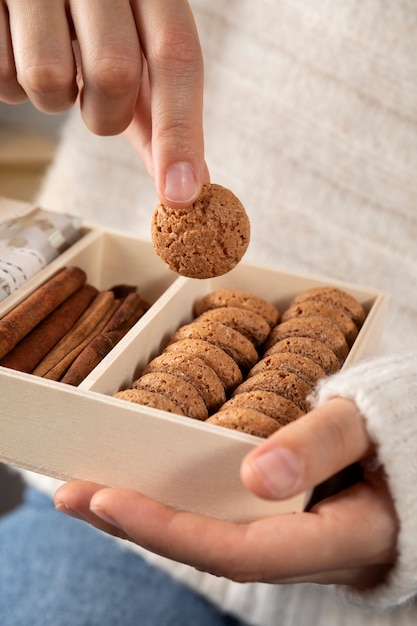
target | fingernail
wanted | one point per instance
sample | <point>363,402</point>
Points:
<point>63,508</point>
<point>180,183</point>
<point>102,514</point>
<point>279,470</point>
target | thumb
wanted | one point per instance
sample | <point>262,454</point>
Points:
<point>308,451</point>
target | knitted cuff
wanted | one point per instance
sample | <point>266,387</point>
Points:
<point>385,392</point>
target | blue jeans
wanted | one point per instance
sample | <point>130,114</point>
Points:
<point>57,571</point>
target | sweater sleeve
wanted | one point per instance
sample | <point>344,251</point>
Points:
<point>385,392</point>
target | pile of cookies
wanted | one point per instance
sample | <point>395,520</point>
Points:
<point>66,326</point>
<point>241,365</point>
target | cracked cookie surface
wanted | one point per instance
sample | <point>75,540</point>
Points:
<point>206,239</point>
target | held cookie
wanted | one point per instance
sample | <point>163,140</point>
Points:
<point>195,371</point>
<point>250,324</point>
<point>246,421</point>
<point>228,339</point>
<point>314,327</point>
<point>182,392</point>
<point>206,239</point>
<point>267,402</point>
<point>225,367</point>
<point>240,299</point>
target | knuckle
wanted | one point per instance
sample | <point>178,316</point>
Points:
<point>338,436</point>
<point>45,79</point>
<point>178,46</point>
<point>238,561</point>
<point>114,76</point>
<point>173,129</point>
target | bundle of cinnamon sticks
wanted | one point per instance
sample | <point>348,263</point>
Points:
<point>67,326</point>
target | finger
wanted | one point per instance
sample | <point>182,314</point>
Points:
<point>111,63</point>
<point>139,131</point>
<point>43,53</point>
<point>174,60</point>
<point>139,134</point>
<point>74,498</point>
<point>10,90</point>
<point>307,451</point>
<point>353,531</point>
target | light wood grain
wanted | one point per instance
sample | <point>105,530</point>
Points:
<point>84,432</point>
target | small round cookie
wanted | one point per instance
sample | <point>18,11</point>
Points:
<point>311,348</point>
<point>149,398</point>
<point>298,364</point>
<point>335,314</point>
<point>195,371</point>
<point>240,299</point>
<point>228,339</point>
<point>283,383</point>
<point>250,324</point>
<point>184,393</point>
<point>245,421</point>
<point>337,297</point>
<point>225,367</point>
<point>267,402</point>
<point>315,328</point>
<point>206,239</point>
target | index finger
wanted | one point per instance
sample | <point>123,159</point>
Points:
<point>171,46</point>
<point>308,451</point>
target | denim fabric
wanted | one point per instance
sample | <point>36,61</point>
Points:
<point>57,571</point>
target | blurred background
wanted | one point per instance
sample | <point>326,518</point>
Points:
<point>28,140</point>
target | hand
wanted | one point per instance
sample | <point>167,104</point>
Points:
<point>348,538</point>
<point>133,65</point>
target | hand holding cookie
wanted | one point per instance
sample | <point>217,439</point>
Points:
<point>206,239</point>
<point>117,61</point>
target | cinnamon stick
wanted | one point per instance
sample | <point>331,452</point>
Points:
<point>26,355</point>
<point>59,369</point>
<point>25,316</point>
<point>96,312</point>
<point>129,312</point>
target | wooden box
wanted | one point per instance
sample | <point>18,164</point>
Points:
<point>67,432</point>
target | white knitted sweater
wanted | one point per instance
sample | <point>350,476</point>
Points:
<point>311,119</point>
